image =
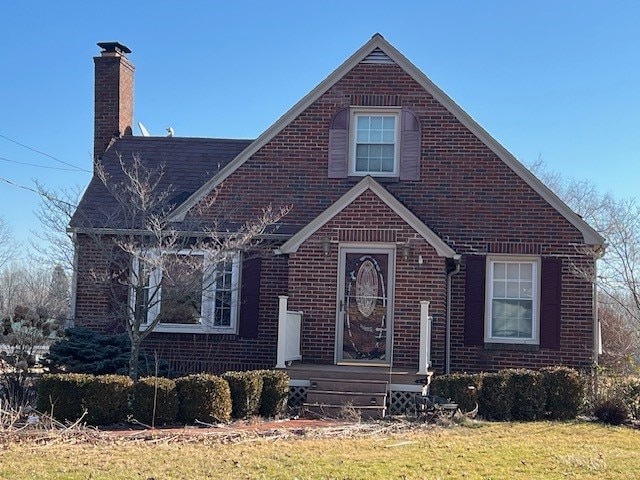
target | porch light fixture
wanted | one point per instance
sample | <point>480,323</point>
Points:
<point>325,246</point>
<point>406,251</point>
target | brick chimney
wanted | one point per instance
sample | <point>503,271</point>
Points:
<point>113,96</point>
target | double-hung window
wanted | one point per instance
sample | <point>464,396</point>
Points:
<point>513,300</point>
<point>190,294</point>
<point>375,143</point>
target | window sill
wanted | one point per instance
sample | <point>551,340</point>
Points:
<point>196,329</point>
<point>514,347</point>
<point>379,179</point>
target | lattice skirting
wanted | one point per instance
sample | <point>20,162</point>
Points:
<point>297,396</point>
<point>397,401</point>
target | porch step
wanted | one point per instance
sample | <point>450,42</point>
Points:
<point>360,399</point>
<point>335,396</point>
<point>348,385</point>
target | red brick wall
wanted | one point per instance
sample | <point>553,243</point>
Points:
<point>313,282</point>
<point>186,353</point>
<point>467,195</point>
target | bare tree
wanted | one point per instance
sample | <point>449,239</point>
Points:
<point>32,285</point>
<point>8,247</point>
<point>34,301</point>
<point>618,275</point>
<point>160,271</point>
<point>55,245</point>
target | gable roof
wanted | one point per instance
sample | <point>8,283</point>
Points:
<point>368,183</point>
<point>378,47</point>
<point>188,163</point>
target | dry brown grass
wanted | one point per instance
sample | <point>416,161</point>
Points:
<point>356,451</point>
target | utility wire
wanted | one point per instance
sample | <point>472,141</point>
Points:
<point>45,154</point>
<point>4,159</point>
<point>40,193</point>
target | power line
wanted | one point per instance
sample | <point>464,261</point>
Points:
<point>45,154</point>
<point>38,192</point>
<point>4,159</point>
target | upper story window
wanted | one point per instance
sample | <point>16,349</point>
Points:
<point>512,300</point>
<point>189,294</point>
<point>375,144</point>
<point>376,141</point>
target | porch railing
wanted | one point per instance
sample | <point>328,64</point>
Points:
<point>289,329</point>
<point>424,360</point>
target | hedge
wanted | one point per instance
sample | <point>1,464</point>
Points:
<point>203,397</point>
<point>61,395</point>
<point>165,394</point>
<point>246,391</point>
<point>275,393</point>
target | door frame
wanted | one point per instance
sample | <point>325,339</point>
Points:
<point>364,248</point>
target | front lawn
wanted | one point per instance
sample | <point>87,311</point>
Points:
<point>488,451</point>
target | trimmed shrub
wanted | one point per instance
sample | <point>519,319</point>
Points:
<point>630,395</point>
<point>494,401</point>
<point>612,411</point>
<point>565,392</point>
<point>166,401</point>
<point>275,393</point>
<point>203,397</point>
<point>456,386</point>
<point>246,391</point>
<point>626,389</point>
<point>528,397</point>
<point>61,395</point>
<point>106,399</point>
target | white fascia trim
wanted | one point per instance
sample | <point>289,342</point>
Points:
<point>368,183</point>
<point>591,237</point>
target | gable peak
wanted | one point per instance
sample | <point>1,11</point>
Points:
<point>377,56</point>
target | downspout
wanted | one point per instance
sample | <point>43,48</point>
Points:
<point>71,321</point>
<point>597,336</point>
<point>451,271</point>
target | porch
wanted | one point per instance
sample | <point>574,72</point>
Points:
<point>348,382</point>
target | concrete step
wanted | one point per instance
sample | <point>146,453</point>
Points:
<point>340,398</point>
<point>346,396</point>
<point>345,410</point>
<point>348,385</point>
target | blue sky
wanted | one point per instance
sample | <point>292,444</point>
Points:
<point>558,80</point>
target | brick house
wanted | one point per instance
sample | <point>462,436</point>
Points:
<point>415,242</point>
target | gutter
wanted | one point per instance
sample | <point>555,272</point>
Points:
<point>447,334</point>
<point>142,232</point>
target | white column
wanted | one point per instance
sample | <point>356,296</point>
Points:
<point>282,331</point>
<point>425,338</point>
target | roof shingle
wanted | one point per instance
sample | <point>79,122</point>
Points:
<point>187,163</point>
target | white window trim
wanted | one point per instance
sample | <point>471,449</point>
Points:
<point>536,262</point>
<point>353,131</point>
<point>207,302</point>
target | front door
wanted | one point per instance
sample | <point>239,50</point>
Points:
<point>365,305</point>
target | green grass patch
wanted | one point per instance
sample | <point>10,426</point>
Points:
<point>492,451</point>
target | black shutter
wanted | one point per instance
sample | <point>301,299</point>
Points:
<point>550,298</point>
<point>474,296</point>
<point>410,144</point>
<point>339,145</point>
<point>250,296</point>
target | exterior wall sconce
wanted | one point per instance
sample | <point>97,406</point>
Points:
<point>326,243</point>
<point>406,251</point>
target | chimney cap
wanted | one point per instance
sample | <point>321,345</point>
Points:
<point>113,47</point>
